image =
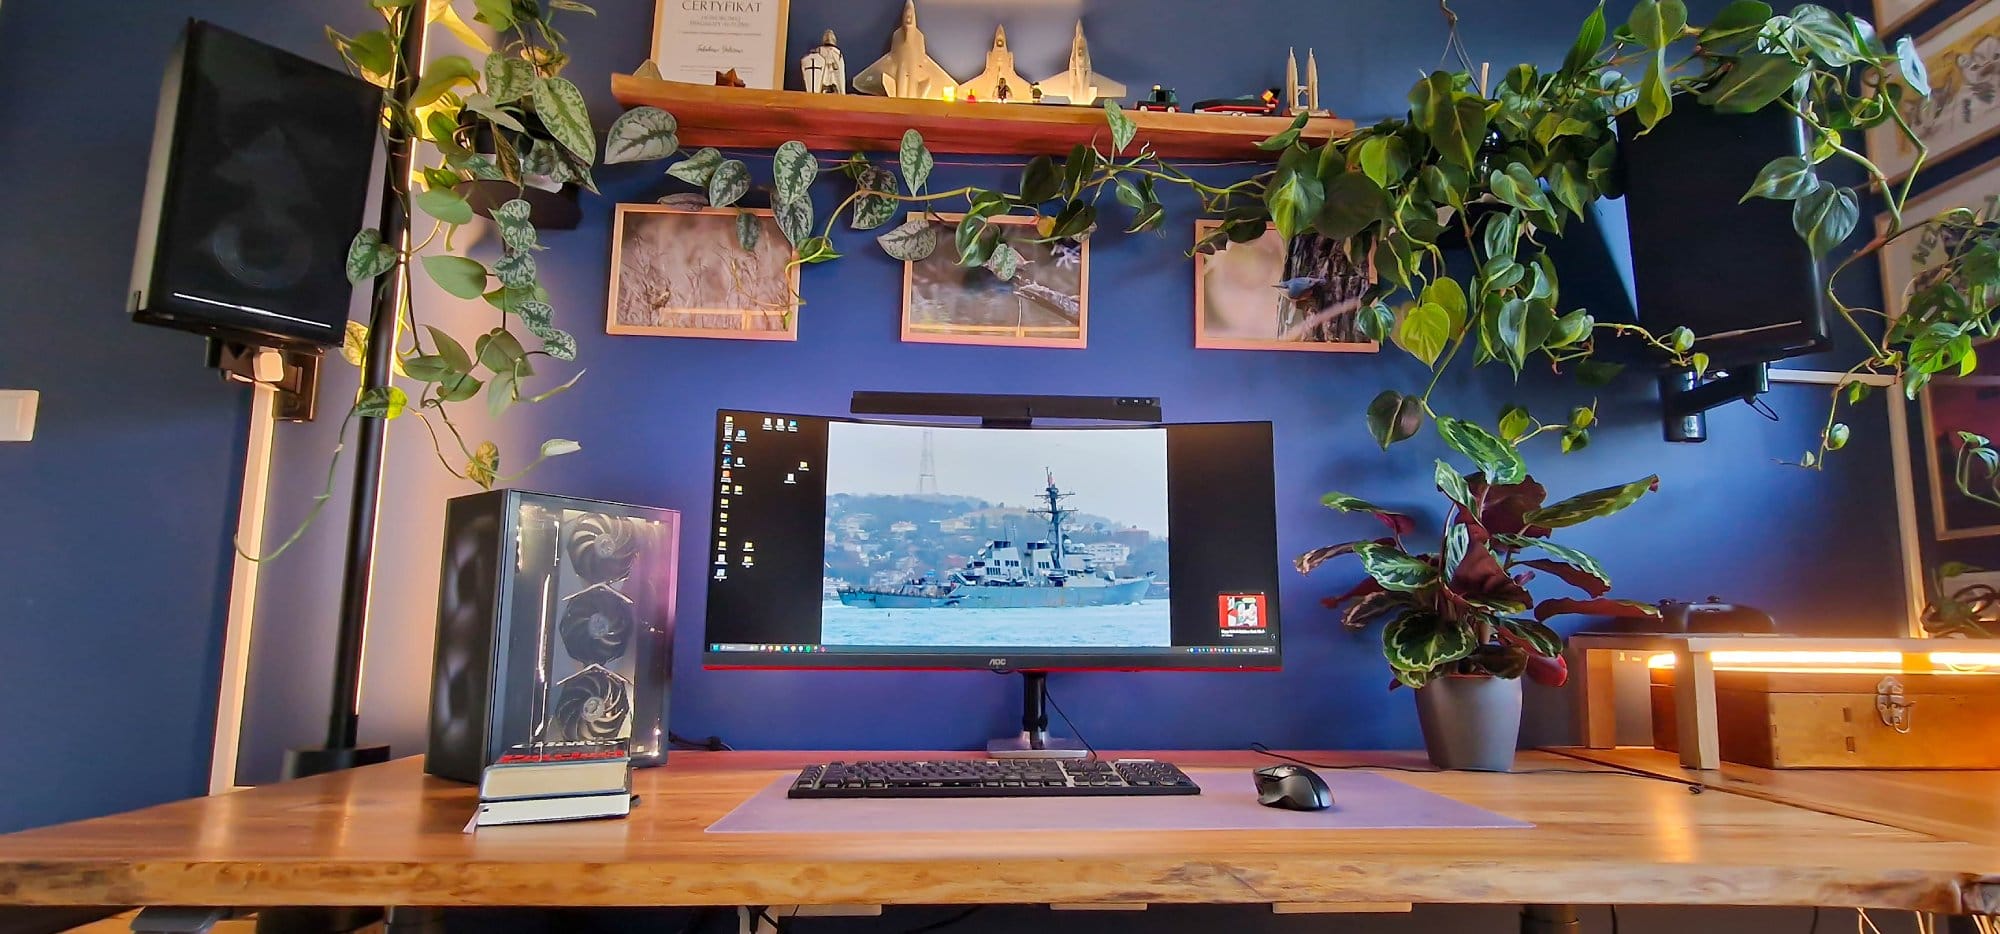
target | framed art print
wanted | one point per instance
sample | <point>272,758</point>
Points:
<point>1906,259</point>
<point>1890,15</point>
<point>1046,304</point>
<point>1239,304</point>
<point>1962,56</point>
<point>1951,406</point>
<point>679,272</point>
<point>694,40</point>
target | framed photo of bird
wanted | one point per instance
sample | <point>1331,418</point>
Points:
<point>1275,294</point>
<point>1043,302</point>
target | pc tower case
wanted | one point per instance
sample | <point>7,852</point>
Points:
<point>555,624</point>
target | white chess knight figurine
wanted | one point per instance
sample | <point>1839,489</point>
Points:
<point>824,68</point>
<point>1081,85</point>
<point>907,71</point>
<point>999,82</point>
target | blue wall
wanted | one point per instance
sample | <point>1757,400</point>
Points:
<point>114,571</point>
<point>1729,519</point>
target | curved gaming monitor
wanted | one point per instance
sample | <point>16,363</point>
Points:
<point>841,543</point>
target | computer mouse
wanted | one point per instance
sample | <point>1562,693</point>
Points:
<point>1293,787</point>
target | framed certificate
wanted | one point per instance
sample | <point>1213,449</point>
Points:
<point>695,39</point>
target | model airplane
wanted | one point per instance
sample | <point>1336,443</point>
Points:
<point>999,82</point>
<point>1080,84</point>
<point>907,71</point>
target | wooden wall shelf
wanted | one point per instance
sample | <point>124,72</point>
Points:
<point>753,119</point>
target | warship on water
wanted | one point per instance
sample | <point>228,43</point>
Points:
<point>1038,575</point>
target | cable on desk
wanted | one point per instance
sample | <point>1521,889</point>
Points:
<point>1614,919</point>
<point>1087,747</point>
<point>1692,787</point>
<point>712,743</point>
<point>961,916</point>
<point>1814,927</point>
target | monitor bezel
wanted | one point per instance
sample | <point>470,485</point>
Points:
<point>994,660</point>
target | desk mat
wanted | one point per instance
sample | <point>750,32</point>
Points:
<point>1228,801</point>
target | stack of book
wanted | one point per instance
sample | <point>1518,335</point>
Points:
<point>556,782</point>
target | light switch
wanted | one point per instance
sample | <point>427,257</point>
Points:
<point>17,414</point>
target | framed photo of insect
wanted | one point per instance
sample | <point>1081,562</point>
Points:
<point>1275,294</point>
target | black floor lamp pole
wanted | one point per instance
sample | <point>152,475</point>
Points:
<point>344,715</point>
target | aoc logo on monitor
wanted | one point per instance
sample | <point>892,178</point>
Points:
<point>1241,612</point>
<point>997,664</point>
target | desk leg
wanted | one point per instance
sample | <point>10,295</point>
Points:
<point>1597,712</point>
<point>1694,708</point>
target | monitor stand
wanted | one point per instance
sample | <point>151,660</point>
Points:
<point>1034,741</point>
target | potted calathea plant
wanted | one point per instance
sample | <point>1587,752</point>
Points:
<point>1458,619</point>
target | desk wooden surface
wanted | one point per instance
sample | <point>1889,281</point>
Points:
<point>389,835</point>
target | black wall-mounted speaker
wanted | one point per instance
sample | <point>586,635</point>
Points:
<point>1737,275</point>
<point>261,168</point>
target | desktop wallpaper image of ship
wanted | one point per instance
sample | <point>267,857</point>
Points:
<point>989,538</point>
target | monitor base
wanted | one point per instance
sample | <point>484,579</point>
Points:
<point>1035,746</point>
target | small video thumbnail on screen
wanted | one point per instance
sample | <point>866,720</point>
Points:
<point>966,537</point>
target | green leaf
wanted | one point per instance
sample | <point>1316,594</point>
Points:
<point>1531,634</point>
<point>508,77</point>
<point>873,210</point>
<point>484,468</point>
<point>1912,67</point>
<point>449,350</point>
<point>1836,436</point>
<point>458,276</point>
<point>1394,569</point>
<point>1752,81</point>
<point>557,447</point>
<point>1457,540</point>
<point>1455,121</point>
<point>1393,417</point>
<point>729,184</point>
<point>1351,202</point>
<point>1656,23</point>
<point>1295,200</point>
<point>1655,101</point>
<point>747,230</point>
<point>515,230</point>
<point>795,219</point>
<point>537,316</point>
<point>1452,485</point>
<point>1418,643</point>
<point>1567,555</point>
<point>1384,160</point>
<point>1588,40</point>
<point>445,205</point>
<point>1448,295</point>
<point>1500,461</point>
<point>1825,35</point>
<point>1786,178</point>
<point>442,74</point>
<point>1598,607</point>
<point>561,108</point>
<point>515,270</point>
<point>354,343</point>
<point>697,169</point>
<point>368,256</point>
<point>1397,522</point>
<point>1571,187</point>
<point>1004,262</point>
<point>913,242</point>
<point>817,250</point>
<point>560,345</point>
<point>498,350</point>
<point>915,160</point>
<point>502,391</point>
<point>1424,332</point>
<point>1039,180</point>
<point>498,14</point>
<point>1515,423</point>
<point>494,113</point>
<point>1858,392</point>
<point>1122,127</point>
<point>1825,217</point>
<point>1518,187</point>
<point>382,402</point>
<point>1597,372</point>
<point>1592,505</point>
<point>458,387</point>
<point>641,134</point>
<point>793,169</point>
<point>1735,28</point>
<point>1282,139</point>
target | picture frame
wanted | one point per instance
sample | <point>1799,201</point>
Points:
<point>1239,306</point>
<point>1909,256</point>
<point>694,40</point>
<point>945,303</point>
<point>1962,55</point>
<point>683,272</point>
<point>1950,405</point>
<point>1890,15</point>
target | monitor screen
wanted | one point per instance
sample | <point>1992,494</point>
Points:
<point>845,543</point>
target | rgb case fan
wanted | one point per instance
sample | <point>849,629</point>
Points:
<point>555,623</point>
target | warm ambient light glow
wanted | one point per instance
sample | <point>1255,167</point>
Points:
<point>1840,662</point>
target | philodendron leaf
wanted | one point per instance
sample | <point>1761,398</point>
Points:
<point>1754,80</point>
<point>1295,200</point>
<point>1396,521</point>
<point>1423,332</point>
<point>912,242</point>
<point>1394,569</point>
<point>368,256</point>
<point>1500,461</point>
<point>382,402</point>
<point>641,134</point>
<point>484,467</point>
<point>730,183</point>
<point>1417,643</point>
<point>458,276</point>
<point>557,447</point>
<point>561,108</point>
<point>1825,217</point>
<point>795,220</point>
<point>747,229</point>
<point>1912,66</point>
<point>914,158</point>
<point>1394,417</point>
<point>1786,178</point>
<point>697,169</point>
<point>1122,127</point>
<point>793,169</point>
<point>1592,505</point>
<point>1736,27</point>
<point>1589,40</point>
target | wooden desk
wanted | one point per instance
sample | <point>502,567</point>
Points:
<point>387,835</point>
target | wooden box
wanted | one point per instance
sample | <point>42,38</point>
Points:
<point>1821,720</point>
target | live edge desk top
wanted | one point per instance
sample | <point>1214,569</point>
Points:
<point>387,835</point>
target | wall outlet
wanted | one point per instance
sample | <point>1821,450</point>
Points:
<point>17,414</point>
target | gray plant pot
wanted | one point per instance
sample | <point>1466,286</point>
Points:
<point>1471,723</point>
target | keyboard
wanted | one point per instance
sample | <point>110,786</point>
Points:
<point>992,778</point>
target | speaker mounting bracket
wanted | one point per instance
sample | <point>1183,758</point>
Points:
<point>1685,397</point>
<point>293,373</point>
